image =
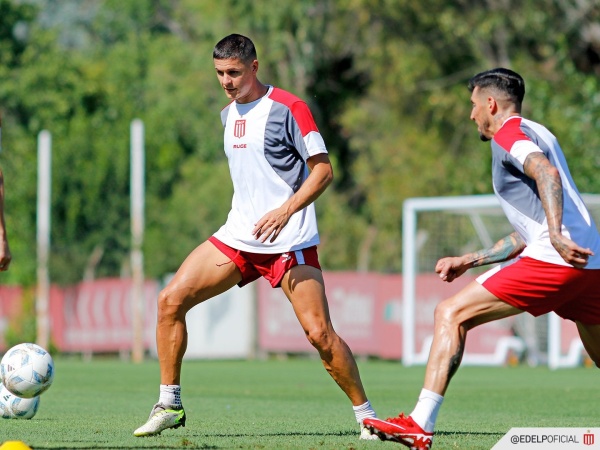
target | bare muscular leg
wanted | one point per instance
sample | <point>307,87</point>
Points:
<point>474,305</point>
<point>590,336</point>
<point>304,287</point>
<point>205,273</point>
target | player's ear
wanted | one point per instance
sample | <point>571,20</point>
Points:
<point>492,105</point>
<point>255,66</point>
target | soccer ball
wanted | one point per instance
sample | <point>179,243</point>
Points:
<point>13,407</point>
<point>26,370</point>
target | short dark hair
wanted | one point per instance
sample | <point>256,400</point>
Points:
<point>502,81</point>
<point>235,46</point>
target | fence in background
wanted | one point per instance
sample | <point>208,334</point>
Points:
<point>11,298</point>
<point>366,310</point>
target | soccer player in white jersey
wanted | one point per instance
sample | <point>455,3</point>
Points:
<point>279,167</point>
<point>550,263</point>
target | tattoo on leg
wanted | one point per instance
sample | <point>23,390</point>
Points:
<point>455,360</point>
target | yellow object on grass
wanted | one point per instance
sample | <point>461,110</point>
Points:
<point>14,445</point>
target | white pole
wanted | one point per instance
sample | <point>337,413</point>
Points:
<point>137,237</point>
<point>554,343</point>
<point>43,237</point>
<point>409,271</point>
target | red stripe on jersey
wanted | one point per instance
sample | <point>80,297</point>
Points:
<point>510,133</point>
<point>299,110</point>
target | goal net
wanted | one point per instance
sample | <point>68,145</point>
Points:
<point>435,227</point>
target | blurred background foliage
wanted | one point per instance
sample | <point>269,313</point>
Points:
<point>386,80</point>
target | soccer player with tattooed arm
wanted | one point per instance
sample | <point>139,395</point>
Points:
<point>550,263</point>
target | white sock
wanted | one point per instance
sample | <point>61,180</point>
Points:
<point>426,411</point>
<point>170,395</point>
<point>363,411</point>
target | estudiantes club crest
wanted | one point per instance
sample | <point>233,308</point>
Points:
<point>239,129</point>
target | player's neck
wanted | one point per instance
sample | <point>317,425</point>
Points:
<point>500,119</point>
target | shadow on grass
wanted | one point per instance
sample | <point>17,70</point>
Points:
<point>468,433</point>
<point>87,446</point>
<point>187,442</point>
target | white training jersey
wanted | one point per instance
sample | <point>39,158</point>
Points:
<point>267,143</point>
<point>519,196</point>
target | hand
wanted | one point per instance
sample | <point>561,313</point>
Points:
<point>451,268</point>
<point>571,252</point>
<point>271,224</point>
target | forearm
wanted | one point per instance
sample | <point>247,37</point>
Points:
<point>320,178</point>
<point>321,174</point>
<point>506,248</point>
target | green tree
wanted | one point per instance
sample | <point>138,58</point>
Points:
<point>386,80</point>
<point>412,124</point>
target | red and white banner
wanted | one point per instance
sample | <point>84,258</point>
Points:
<point>366,311</point>
<point>10,308</point>
<point>364,307</point>
<point>96,316</point>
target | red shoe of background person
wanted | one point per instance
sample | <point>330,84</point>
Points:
<point>401,429</point>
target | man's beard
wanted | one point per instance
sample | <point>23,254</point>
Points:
<point>483,138</point>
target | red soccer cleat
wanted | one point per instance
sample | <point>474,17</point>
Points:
<point>400,429</point>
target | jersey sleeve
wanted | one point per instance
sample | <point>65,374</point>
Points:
<point>522,149</point>
<point>300,124</point>
<point>309,133</point>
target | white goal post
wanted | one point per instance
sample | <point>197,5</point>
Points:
<point>434,227</point>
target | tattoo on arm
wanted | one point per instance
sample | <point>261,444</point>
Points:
<point>549,186</point>
<point>503,250</point>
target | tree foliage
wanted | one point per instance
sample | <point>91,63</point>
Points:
<point>385,79</point>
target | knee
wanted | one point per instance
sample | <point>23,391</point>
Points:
<point>321,338</point>
<point>445,314</point>
<point>169,305</point>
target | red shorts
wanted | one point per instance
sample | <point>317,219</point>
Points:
<point>539,287</point>
<point>271,266</point>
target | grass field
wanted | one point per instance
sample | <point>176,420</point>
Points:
<point>293,404</point>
